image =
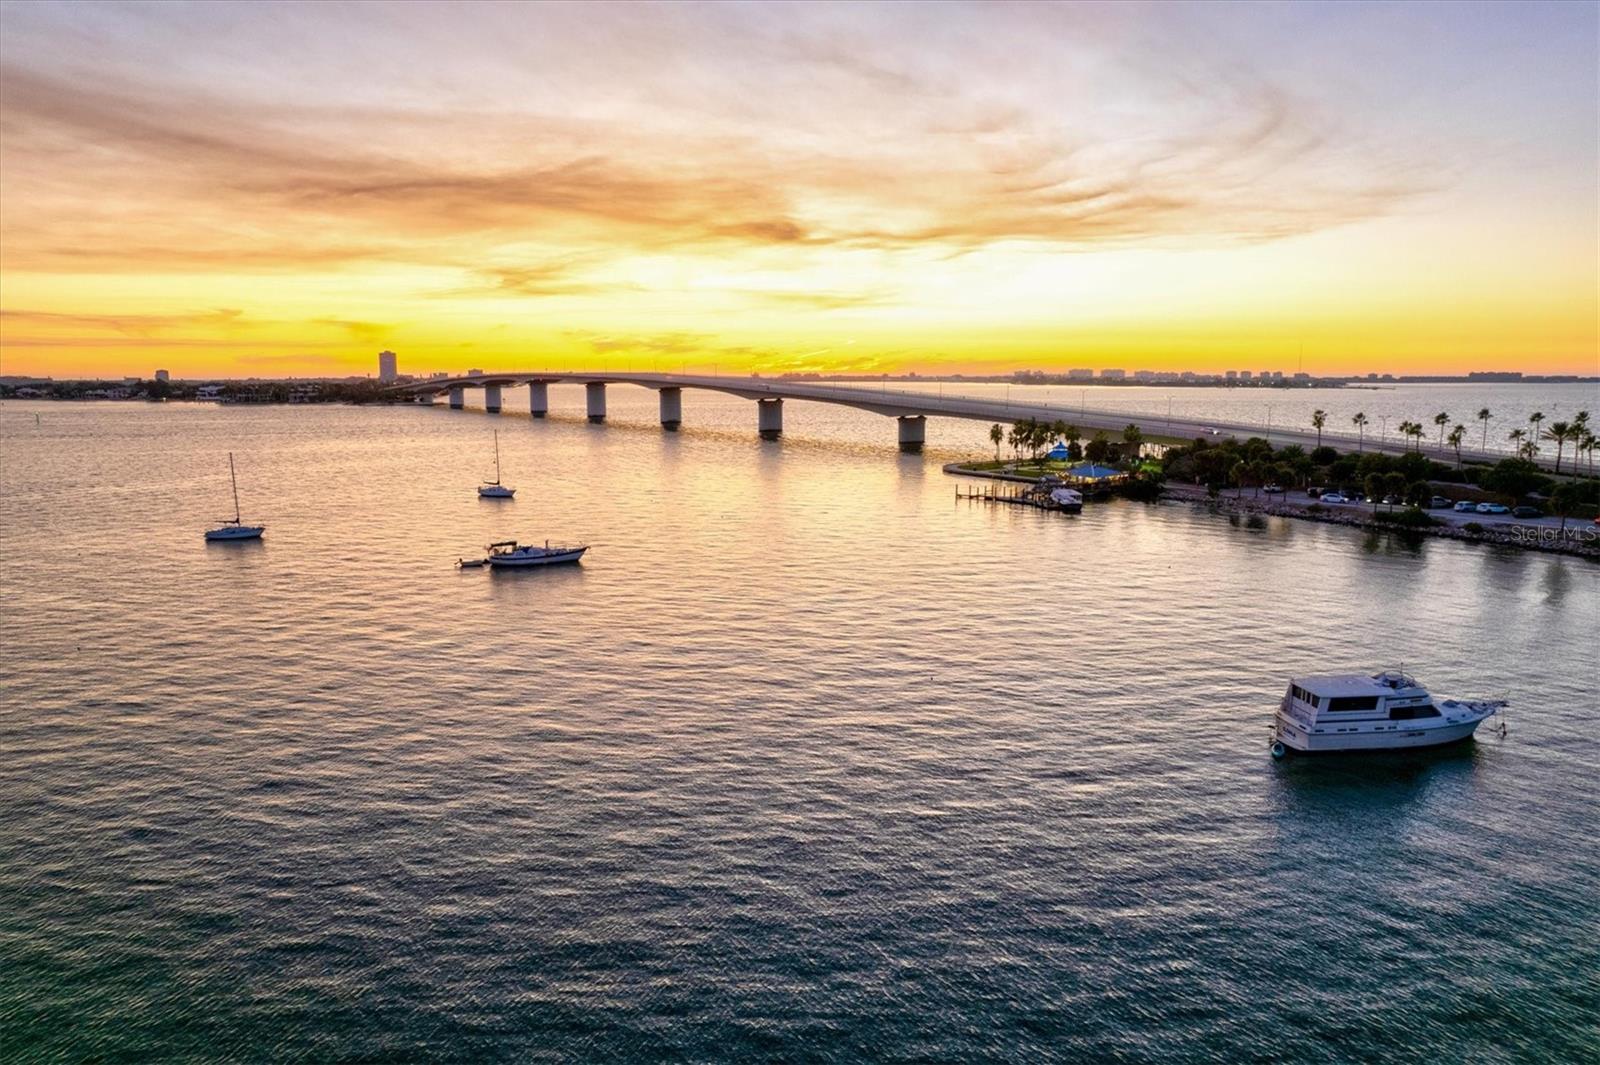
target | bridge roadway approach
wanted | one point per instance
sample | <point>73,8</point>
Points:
<point>911,410</point>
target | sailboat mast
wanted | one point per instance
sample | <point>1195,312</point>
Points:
<point>232,477</point>
<point>497,456</point>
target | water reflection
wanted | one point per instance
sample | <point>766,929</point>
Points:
<point>1368,782</point>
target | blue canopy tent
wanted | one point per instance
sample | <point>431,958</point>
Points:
<point>1058,452</point>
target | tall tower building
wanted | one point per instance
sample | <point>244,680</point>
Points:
<point>387,371</point>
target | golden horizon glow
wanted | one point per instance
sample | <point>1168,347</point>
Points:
<point>281,190</point>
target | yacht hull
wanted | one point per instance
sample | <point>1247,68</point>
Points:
<point>1295,737</point>
<point>236,532</point>
<point>554,558</point>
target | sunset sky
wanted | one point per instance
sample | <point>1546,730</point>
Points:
<point>279,189</point>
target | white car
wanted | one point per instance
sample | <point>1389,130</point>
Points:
<point>1493,508</point>
<point>1335,497</point>
<point>1465,506</point>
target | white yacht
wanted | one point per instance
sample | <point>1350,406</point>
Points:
<point>1067,499</point>
<point>508,554</point>
<point>1356,712</point>
<point>494,489</point>
<point>234,528</point>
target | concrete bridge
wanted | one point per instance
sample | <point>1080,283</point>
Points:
<point>910,409</point>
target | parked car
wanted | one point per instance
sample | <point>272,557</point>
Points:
<point>1439,503</point>
<point>1493,508</point>
<point>1271,488</point>
<point>1391,500</point>
<point>1466,506</point>
<point>1335,497</point>
<point>1526,512</point>
<point>1314,493</point>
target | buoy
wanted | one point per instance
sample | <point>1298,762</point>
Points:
<point>1279,751</point>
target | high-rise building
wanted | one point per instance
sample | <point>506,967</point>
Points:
<point>387,367</point>
<point>162,375</point>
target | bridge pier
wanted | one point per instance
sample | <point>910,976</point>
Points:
<point>671,409</point>
<point>538,398</point>
<point>596,391</point>
<point>769,418</point>
<point>913,431</point>
<point>457,397</point>
<point>491,398</point>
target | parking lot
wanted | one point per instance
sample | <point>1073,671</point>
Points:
<point>1452,517</point>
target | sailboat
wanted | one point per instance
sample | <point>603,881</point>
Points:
<point>234,528</point>
<point>494,489</point>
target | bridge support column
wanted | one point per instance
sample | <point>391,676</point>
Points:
<point>538,398</point>
<point>913,431</point>
<point>457,397</point>
<point>491,398</point>
<point>769,418</point>
<point>597,400</point>
<point>671,409</point>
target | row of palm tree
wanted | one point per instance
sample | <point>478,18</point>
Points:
<point>1032,436</point>
<point>1524,441</point>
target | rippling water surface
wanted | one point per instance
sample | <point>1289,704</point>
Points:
<point>807,761</point>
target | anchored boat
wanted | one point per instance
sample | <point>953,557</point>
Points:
<point>234,528</point>
<point>1383,711</point>
<point>508,554</point>
<point>494,489</point>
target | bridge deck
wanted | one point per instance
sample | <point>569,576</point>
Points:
<point>1158,428</point>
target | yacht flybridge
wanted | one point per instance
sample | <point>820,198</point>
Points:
<point>1357,712</point>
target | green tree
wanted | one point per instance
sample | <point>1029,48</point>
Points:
<point>1458,434</point>
<point>1360,421</point>
<point>996,434</point>
<point>1565,501</point>
<point>1514,477</point>
<point>1418,493</point>
<point>1441,419</point>
<point>1394,486</point>
<point>1372,484</point>
<point>1319,418</point>
<point>1484,416</point>
<point>1132,437</point>
<point>1098,448</point>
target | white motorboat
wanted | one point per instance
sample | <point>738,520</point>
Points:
<point>508,554</point>
<point>234,528</point>
<point>1067,499</point>
<point>494,489</point>
<point>1384,711</point>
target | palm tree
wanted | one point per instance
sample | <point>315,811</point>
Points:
<point>1132,436</point>
<point>1515,436</point>
<point>1559,432</point>
<point>1360,421</point>
<point>996,434</point>
<point>1441,420</point>
<point>1484,416</point>
<point>1533,421</point>
<point>1589,443</point>
<point>1416,431</point>
<point>1457,434</point>
<point>1319,418</point>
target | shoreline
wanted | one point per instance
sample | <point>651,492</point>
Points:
<point>1578,542</point>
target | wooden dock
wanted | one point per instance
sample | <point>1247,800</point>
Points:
<point>1011,495</point>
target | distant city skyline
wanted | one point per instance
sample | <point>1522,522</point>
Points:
<point>282,190</point>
